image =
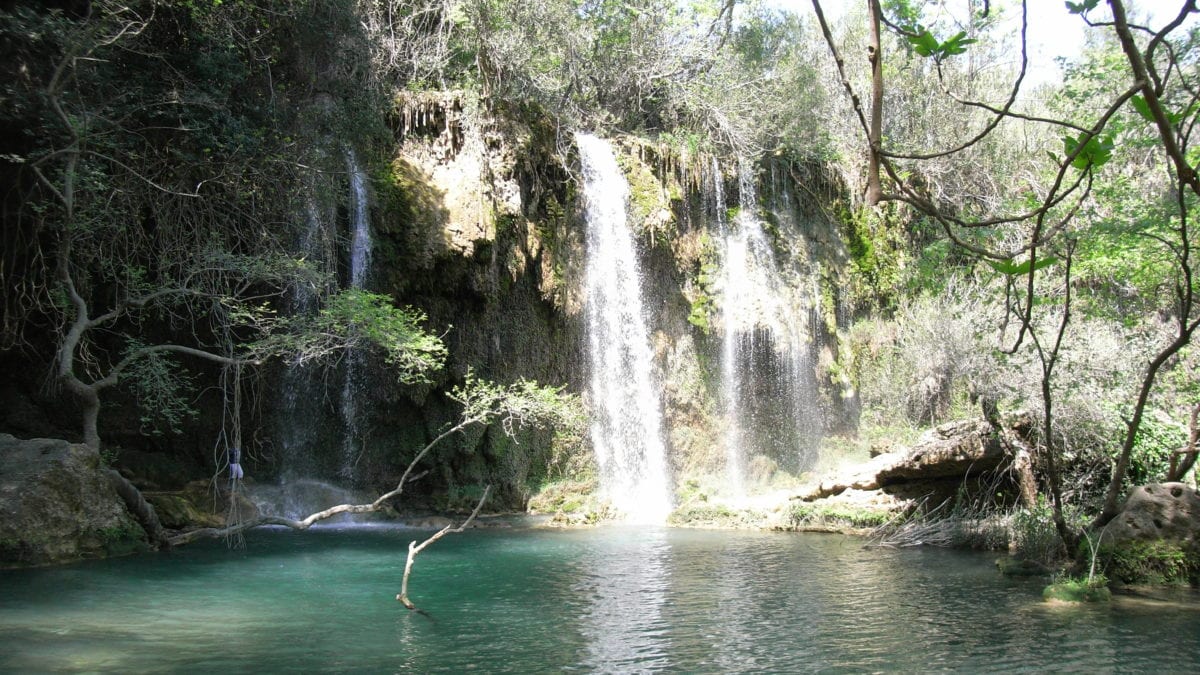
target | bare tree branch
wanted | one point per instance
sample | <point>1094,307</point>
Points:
<point>414,548</point>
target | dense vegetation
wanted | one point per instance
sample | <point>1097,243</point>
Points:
<point>1027,247</point>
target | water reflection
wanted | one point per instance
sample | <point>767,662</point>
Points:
<point>603,600</point>
<point>626,591</point>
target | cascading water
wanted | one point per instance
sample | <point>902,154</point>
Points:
<point>300,490</point>
<point>627,430</point>
<point>764,351</point>
<point>296,431</point>
<point>360,223</point>
<point>360,262</point>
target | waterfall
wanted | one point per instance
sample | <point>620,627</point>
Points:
<point>360,262</point>
<point>627,430</point>
<point>764,343</point>
<point>360,222</point>
<point>297,430</point>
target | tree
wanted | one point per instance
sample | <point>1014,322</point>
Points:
<point>155,217</point>
<point>1043,218</point>
<point>152,229</point>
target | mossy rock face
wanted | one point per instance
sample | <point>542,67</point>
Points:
<point>564,497</point>
<point>1076,591</point>
<point>59,505</point>
<point>1152,562</point>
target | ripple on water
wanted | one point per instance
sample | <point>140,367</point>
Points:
<point>603,600</point>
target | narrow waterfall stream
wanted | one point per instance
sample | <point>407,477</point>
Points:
<point>360,263</point>
<point>627,427</point>
<point>296,428</point>
<point>303,485</point>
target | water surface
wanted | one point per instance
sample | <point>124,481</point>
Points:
<point>605,600</point>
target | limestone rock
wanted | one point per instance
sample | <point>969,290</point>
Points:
<point>936,465</point>
<point>57,505</point>
<point>1156,511</point>
<point>948,451</point>
<point>863,477</point>
<point>199,505</point>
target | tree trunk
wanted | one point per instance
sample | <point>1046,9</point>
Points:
<point>140,508</point>
<point>1184,459</point>
<point>875,53</point>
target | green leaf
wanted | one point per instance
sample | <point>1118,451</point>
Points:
<point>1081,7</point>
<point>955,45</point>
<point>1095,153</point>
<point>1139,104</point>
<point>924,43</point>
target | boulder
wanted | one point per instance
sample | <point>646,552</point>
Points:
<point>952,450</point>
<point>861,477</point>
<point>57,505</point>
<point>1155,539</point>
<point>936,465</point>
<point>1157,511</point>
<point>198,504</point>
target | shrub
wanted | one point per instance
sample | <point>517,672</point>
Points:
<point>1034,536</point>
<point>1150,562</point>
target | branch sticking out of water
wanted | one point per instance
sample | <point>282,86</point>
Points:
<point>414,548</point>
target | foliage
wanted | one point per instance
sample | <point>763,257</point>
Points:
<point>1149,562</point>
<point>1034,536</point>
<point>915,368</point>
<point>1094,589</point>
<point>354,319</point>
<point>519,404</point>
<point>160,386</point>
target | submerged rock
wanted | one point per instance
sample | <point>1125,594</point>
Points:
<point>58,505</point>
<point>1075,591</point>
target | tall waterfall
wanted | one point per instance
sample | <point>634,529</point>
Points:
<point>764,351</point>
<point>360,262</point>
<point>303,428</point>
<point>627,430</point>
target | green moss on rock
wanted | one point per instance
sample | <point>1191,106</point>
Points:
<point>836,515</point>
<point>1151,562</point>
<point>1078,590</point>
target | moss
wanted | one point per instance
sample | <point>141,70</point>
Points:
<point>123,539</point>
<point>565,496</point>
<point>1151,562</point>
<point>704,286</point>
<point>713,515</point>
<point>878,253</point>
<point>1078,590</point>
<point>648,198</point>
<point>1021,567</point>
<point>836,515</point>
